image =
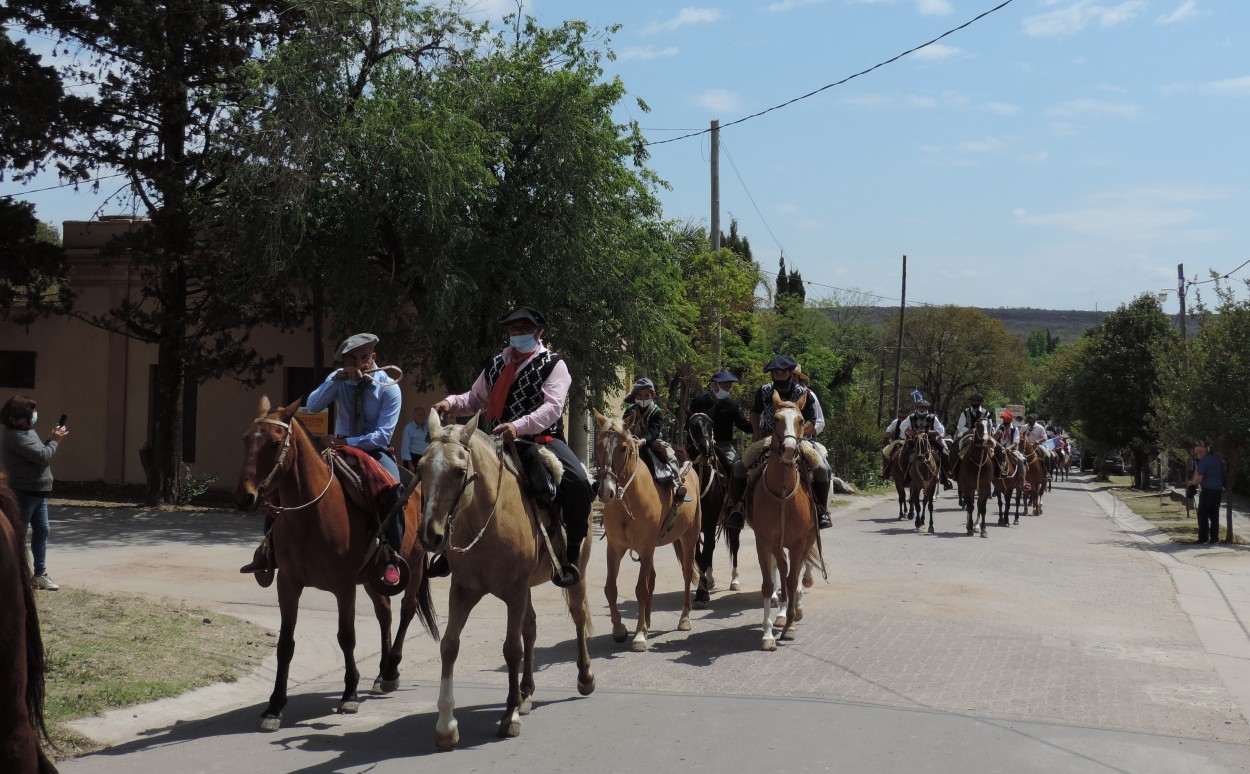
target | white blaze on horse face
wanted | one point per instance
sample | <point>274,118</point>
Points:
<point>791,421</point>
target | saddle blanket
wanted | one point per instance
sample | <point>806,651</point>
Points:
<point>375,481</point>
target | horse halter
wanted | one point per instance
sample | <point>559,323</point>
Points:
<point>263,490</point>
<point>631,453</point>
<point>778,444</point>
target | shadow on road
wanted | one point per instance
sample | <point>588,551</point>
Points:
<point>96,527</point>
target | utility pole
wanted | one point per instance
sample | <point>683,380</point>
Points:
<point>716,218</point>
<point>1180,293</point>
<point>898,353</point>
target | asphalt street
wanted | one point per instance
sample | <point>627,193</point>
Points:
<point>1078,641</point>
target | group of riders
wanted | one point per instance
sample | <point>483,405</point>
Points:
<point>902,439</point>
<point>522,393</point>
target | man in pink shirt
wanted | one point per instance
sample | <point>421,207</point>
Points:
<point>522,393</point>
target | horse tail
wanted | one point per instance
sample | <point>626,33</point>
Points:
<point>425,607</point>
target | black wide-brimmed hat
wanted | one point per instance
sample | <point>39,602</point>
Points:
<point>354,342</point>
<point>640,383</point>
<point>780,363</point>
<point>524,313</point>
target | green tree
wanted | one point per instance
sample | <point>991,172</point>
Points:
<point>32,273</point>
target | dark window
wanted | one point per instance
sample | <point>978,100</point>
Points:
<point>17,369</point>
<point>300,382</point>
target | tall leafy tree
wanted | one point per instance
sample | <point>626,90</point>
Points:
<point>32,273</point>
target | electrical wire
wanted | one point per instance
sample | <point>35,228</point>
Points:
<point>1220,277</point>
<point>62,185</point>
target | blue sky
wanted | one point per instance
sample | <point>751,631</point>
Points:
<point>1062,154</point>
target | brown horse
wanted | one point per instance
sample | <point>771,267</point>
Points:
<point>321,540</point>
<point>976,472</point>
<point>1009,484</point>
<point>21,650</point>
<point>1035,475</point>
<point>783,517</point>
<point>636,517</point>
<point>899,475</point>
<point>924,470</point>
<point>477,515</point>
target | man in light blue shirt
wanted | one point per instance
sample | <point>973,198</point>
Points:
<point>366,404</point>
<point>416,439</point>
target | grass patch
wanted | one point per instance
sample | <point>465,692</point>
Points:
<point>107,652</point>
<point>1168,515</point>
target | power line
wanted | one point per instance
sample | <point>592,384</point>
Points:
<point>1220,277</point>
<point>747,190</point>
<point>62,185</point>
<point>892,59</point>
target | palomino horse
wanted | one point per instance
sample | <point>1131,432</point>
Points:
<point>976,472</point>
<point>638,516</point>
<point>784,519</point>
<point>1008,485</point>
<point>924,471</point>
<point>1034,475</point>
<point>321,539</point>
<point>478,516</point>
<point>21,651</point>
<point>712,482</point>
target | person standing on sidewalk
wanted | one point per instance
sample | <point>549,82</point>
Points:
<point>1209,477</point>
<point>27,459</point>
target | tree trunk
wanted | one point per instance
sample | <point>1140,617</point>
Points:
<point>1232,461</point>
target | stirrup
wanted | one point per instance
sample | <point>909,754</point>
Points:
<point>261,566</point>
<point>823,520</point>
<point>438,567</point>
<point>567,576</point>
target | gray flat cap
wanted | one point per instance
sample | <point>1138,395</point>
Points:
<point>355,342</point>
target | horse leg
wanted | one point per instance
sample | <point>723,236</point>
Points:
<point>765,555</point>
<point>982,506</point>
<point>614,553</point>
<point>388,666</point>
<point>529,633</point>
<point>685,557</point>
<point>733,537</point>
<point>288,604</point>
<point>794,595</point>
<point>460,602</point>
<point>928,505</point>
<point>781,575</point>
<point>644,590</point>
<point>579,609</point>
<point>350,703</point>
<point>703,560</point>
<point>513,654</point>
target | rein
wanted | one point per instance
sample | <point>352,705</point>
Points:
<point>632,454</point>
<point>264,489</point>
<point>455,506</point>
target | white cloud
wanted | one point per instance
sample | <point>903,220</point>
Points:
<point>786,208</point>
<point>933,7</point>
<point>984,145</point>
<point>1093,107</point>
<point>1002,108</point>
<point>719,100</point>
<point>787,5</point>
<point>1187,10</point>
<point>684,18</point>
<point>646,53</point>
<point>885,102</point>
<point>1228,86</point>
<point>936,52</point>
<point>1150,214</point>
<point>1037,157</point>
<point>1080,14</point>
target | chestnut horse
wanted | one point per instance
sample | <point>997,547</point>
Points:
<point>783,517</point>
<point>636,517</point>
<point>976,472</point>
<point>21,650</point>
<point>1035,475</point>
<point>320,540</point>
<point>478,516</point>
<point>1009,484</point>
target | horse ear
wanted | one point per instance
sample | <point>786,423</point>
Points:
<point>263,408</point>
<point>435,422</point>
<point>600,419</point>
<point>801,402</point>
<point>290,410</point>
<point>776,400</point>
<point>471,426</point>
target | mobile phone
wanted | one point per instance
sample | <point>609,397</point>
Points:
<point>63,420</point>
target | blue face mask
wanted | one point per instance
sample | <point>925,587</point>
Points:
<point>722,394</point>
<point>525,343</point>
<point>34,417</point>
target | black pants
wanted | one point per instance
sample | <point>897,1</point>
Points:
<point>1209,514</point>
<point>574,494</point>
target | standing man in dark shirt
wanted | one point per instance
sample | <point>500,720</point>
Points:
<point>1209,476</point>
<point>725,414</point>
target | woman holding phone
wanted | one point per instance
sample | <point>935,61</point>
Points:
<point>27,459</point>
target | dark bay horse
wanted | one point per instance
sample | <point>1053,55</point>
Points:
<point>976,472</point>
<point>713,479</point>
<point>784,520</point>
<point>1035,475</point>
<point>639,517</point>
<point>21,651</point>
<point>924,471</point>
<point>1008,485</point>
<point>320,540</point>
<point>476,513</point>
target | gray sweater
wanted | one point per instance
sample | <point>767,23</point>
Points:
<point>26,459</point>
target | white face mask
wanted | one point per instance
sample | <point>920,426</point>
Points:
<point>34,417</point>
<point>722,394</point>
<point>645,403</point>
<point>526,343</point>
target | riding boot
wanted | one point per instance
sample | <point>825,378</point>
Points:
<point>679,485</point>
<point>264,562</point>
<point>736,518</point>
<point>820,490</point>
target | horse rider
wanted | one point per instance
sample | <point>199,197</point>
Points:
<point>367,403</point>
<point>523,391</point>
<point>725,414</point>
<point>1036,434</point>
<point>1007,436</point>
<point>923,422</point>
<point>789,389</point>
<point>644,419</point>
<point>968,418</point>
<point>894,438</point>
<point>810,432</point>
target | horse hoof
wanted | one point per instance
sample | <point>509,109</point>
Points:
<point>930,529</point>
<point>808,582</point>
<point>509,729</point>
<point>270,723</point>
<point>983,533</point>
<point>769,645</point>
<point>381,686</point>
<point>780,622</point>
<point>349,707</point>
<point>700,604</point>
<point>619,632</point>
<point>639,645</point>
<point>789,636</point>
<point>586,687</point>
<point>684,624</point>
<point>734,585</point>
<point>447,740</point>
<point>527,705</point>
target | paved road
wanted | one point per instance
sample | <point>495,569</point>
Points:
<point>1077,641</point>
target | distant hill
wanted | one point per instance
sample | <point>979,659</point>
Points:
<point>1068,324</point>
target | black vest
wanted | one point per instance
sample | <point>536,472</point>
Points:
<point>766,416</point>
<point>922,424</point>
<point>526,394</point>
<point>973,414</point>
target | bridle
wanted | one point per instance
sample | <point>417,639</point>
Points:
<point>464,487</point>
<point>265,488</point>
<point>777,447</point>
<point>708,459</point>
<point>631,459</point>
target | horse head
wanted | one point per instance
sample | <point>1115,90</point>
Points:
<point>787,427</point>
<point>447,471</point>
<point>702,441</point>
<point>266,458</point>
<point>617,455</point>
